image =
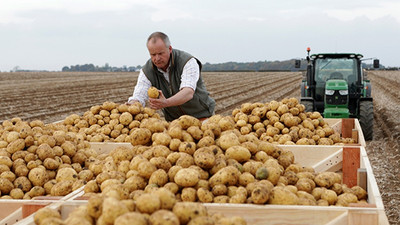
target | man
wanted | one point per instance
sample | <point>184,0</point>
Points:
<point>177,75</point>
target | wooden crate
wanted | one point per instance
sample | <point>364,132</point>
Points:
<point>321,158</point>
<point>348,128</point>
<point>12,211</point>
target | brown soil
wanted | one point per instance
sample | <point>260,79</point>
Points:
<point>53,96</point>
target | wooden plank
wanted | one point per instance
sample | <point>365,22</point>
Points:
<point>361,139</point>
<point>354,135</point>
<point>312,155</point>
<point>347,127</point>
<point>362,178</point>
<point>331,163</point>
<point>16,210</point>
<point>340,220</point>
<point>363,217</point>
<point>351,163</point>
<point>13,217</point>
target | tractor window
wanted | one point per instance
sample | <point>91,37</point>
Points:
<point>336,68</point>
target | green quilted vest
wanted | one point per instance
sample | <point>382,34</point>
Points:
<point>200,106</point>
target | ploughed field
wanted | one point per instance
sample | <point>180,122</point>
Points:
<point>52,96</point>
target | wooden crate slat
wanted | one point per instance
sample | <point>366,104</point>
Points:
<point>351,163</point>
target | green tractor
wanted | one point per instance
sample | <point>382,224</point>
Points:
<point>336,86</point>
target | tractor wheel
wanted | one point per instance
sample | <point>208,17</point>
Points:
<point>366,119</point>
<point>309,106</point>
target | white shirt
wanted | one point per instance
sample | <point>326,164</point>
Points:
<point>189,78</point>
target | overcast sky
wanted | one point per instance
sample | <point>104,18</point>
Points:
<point>50,34</point>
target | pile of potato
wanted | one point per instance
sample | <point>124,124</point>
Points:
<point>214,162</point>
<point>285,122</point>
<point>226,159</point>
<point>160,208</point>
<point>38,159</point>
<point>110,122</point>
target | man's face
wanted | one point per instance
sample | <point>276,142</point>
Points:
<point>159,53</point>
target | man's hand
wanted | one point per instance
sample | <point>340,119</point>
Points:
<point>158,103</point>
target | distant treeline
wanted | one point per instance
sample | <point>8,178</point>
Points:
<point>286,65</point>
<point>105,68</point>
<point>228,66</point>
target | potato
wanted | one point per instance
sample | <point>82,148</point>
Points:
<point>211,129</point>
<point>262,173</point>
<point>305,184</point>
<point>252,167</point>
<point>159,177</point>
<point>187,121</point>
<point>204,157</point>
<point>162,217</point>
<point>202,220</point>
<point>281,196</point>
<point>16,145</point>
<point>153,92</point>
<point>62,188</point>
<point>53,221</point>
<point>65,174</point>
<point>122,153</point>
<point>5,160</point>
<point>145,169</point>
<point>148,203</point>
<point>238,198</point>
<point>185,160</point>
<point>221,199</point>
<point>95,206</point>
<point>239,153</point>
<point>346,198</point>
<point>91,187</point>
<point>260,194</point>
<point>330,196</point>
<point>186,211</point>
<point>204,195</point>
<point>187,147</point>
<point>188,194</point>
<point>187,177</point>
<point>125,118</point>
<point>8,175</point>
<point>44,213</point>
<point>195,131</point>
<point>131,218</point>
<point>167,198</point>
<point>112,208</point>
<point>273,175</point>
<point>359,192</point>
<point>5,186</point>
<point>228,140</point>
<point>317,192</point>
<point>51,164</point>
<point>326,179</point>
<point>38,176</point>
<point>322,202</point>
<point>228,175</point>
<point>140,136</point>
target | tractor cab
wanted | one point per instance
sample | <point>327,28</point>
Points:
<point>336,78</point>
<point>335,86</point>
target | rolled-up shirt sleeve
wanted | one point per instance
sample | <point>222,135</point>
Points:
<point>190,74</point>
<point>140,91</point>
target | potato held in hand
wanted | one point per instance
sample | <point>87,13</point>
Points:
<point>153,92</point>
